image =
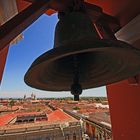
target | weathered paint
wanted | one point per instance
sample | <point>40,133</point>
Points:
<point>3,56</point>
<point>124,108</point>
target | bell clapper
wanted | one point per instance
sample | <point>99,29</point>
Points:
<point>76,88</point>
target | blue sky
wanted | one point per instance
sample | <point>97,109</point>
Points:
<point>38,38</point>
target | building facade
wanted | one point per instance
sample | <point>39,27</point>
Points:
<point>72,131</point>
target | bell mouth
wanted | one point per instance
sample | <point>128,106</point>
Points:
<point>101,62</point>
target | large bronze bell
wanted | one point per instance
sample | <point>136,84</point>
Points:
<point>81,60</point>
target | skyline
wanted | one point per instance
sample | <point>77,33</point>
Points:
<point>38,38</point>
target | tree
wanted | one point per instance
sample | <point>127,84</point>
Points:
<point>76,108</point>
<point>97,99</point>
<point>12,102</point>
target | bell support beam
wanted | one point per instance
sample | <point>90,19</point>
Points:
<point>21,21</point>
<point>61,5</point>
<point>95,12</point>
<point>3,56</point>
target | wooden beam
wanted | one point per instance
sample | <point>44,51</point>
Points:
<point>131,32</point>
<point>63,3</point>
<point>21,21</point>
<point>94,11</point>
<point>31,1</point>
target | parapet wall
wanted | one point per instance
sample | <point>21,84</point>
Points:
<point>55,132</point>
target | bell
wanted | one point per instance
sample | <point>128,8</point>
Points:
<point>81,60</point>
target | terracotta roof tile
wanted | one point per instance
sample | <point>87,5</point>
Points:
<point>59,115</point>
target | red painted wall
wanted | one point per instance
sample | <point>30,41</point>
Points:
<point>21,4</point>
<point>125,110</point>
<point>3,56</point>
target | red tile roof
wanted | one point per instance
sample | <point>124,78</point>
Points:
<point>28,113</point>
<point>59,115</point>
<point>4,119</point>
